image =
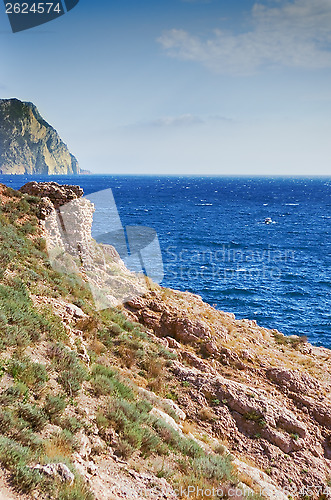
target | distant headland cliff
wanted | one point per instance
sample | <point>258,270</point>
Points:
<point>29,145</point>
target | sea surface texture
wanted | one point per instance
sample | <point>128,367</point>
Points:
<point>215,242</point>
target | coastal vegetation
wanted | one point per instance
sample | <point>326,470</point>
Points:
<point>164,386</point>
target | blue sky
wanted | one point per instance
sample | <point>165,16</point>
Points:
<point>182,87</point>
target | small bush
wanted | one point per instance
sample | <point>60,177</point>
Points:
<point>76,491</point>
<point>119,411</point>
<point>34,415</point>
<point>71,380</point>
<point>54,406</point>
<point>53,326</point>
<point>124,449</point>
<point>105,382</point>
<point>33,375</point>
<point>71,424</point>
<point>133,434</point>
<point>150,442</point>
<point>27,438</point>
<point>20,323</point>
<point>61,444</point>
<point>72,370</point>
<point>190,448</point>
<point>26,479</point>
<point>213,467</point>
<point>102,385</point>
<point>12,453</point>
<point>14,393</point>
<point>166,432</point>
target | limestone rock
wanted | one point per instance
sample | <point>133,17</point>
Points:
<point>57,470</point>
<point>164,416</point>
<point>58,194</point>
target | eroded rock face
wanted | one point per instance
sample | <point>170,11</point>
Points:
<point>168,321</point>
<point>263,424</point>
<point>245,390</point>
<point>29,145</point>
<point>58,194</point>
<point>304,390</point>
<point>68,217</point>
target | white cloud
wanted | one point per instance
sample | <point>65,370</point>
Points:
<point>177,121</point>
<point>294,34</point>
<point>180,121</point>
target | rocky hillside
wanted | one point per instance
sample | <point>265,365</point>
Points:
<point>29,145</point>
<point>160,397</point>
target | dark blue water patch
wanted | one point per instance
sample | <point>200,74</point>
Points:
<point>214,241</point>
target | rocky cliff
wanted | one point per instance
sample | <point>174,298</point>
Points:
<point>160,397</point>
<point>29,145</point>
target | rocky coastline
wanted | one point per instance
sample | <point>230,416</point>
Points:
<point>235,389</point>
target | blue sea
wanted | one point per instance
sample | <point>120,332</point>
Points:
<point>215,243</point>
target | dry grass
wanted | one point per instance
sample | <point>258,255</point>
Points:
<point>207,414</point>
<point>58,446</point>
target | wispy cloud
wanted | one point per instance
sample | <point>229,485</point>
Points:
<point>294,34</point>
<point>180,121</point>
<point>177,121</point>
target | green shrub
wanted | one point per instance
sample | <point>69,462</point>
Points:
<point>105,382</point>
<point>63,441</point>
<point>14,393</point>
<point>27,438</point>
<point>20,324</point>
<point>72,424</point>
<point>150,441</point>
<point>102,422</point>
<point>102,370</point>
<point>14,427</point>
<point>102,385</point>
<point>26,479</point>
<point>76,491</point>
<point>72,370</point>
<point>7,420</point>
<point>34,415</point>
<point>54,406</point>
<point>71,380</point>
<point>131,420</point>
<point>120,411</point>
<point>133,434</point>
<point>12,453</point>
<point>213,467</point>
<point>53,325</point>
<point>190,448</point>
<point>33,375</point>
<point>167,433</point>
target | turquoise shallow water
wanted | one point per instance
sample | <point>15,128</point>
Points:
<point>214,241</point>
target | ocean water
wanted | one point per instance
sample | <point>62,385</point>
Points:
<point>215,243</point>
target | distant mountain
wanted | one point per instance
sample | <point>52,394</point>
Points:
<point>29,145</point>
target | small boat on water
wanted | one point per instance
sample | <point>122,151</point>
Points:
<point>268,220</point>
